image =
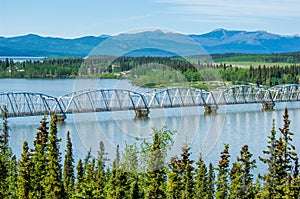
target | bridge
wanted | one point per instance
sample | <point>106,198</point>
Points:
<point>99,100</point>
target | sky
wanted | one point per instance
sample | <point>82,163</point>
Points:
<point>77,18</point>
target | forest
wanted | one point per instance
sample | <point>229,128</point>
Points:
<point>144,171</point>
<point>266,70</point>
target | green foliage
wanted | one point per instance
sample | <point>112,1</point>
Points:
<point>99,192</point>
<point>241,177</point>
<point>68,171</point>
<point>24,167</point>
<point>223,169</point>
<point>118,185</point>
<point>187,172</point>
<point>173,184</point>
<point>156,176</point>
<point>53,178</point>
<point>38,173</point>
<point>201,184</point>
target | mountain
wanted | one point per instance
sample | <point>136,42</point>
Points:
<point>150,43</point>
<point>260,42</point>
<point>34,45</point>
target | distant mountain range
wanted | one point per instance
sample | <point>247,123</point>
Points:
<point>149,43</point>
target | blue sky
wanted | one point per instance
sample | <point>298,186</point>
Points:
<point>76,18</point>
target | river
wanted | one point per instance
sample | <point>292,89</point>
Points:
<point>236,125</point>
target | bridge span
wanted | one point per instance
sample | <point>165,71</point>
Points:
<point>99,100</point>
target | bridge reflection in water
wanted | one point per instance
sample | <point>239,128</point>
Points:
<point>30,104</point>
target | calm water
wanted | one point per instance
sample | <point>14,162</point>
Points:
<point>233,124</point>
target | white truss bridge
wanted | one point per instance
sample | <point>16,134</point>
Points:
<point>30,104</point>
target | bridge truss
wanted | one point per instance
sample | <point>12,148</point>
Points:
<point>102,100</point>
<point>29,104</point>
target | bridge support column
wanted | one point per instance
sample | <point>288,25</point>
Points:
<point>210,109</point>
<point>267,106</point>
<point>61,117</point>
<point>141,113</point>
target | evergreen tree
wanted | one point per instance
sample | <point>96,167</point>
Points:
<point>4,154</point>
<point>79,180</point>
<point>156,176</point>
<point>24,167</point>
<point>289,154</point>
<point>210,182</point>
<point>236,181</point>
<point>39,162</point>
<point>270,177</point>
<point>241,177</point>
<point>187,172</point>
<point>129,164</point>
<point>223,170</point>
<point>201,184</point>
<point>173,183</point>
<point>89,180</point>
<point>4,136</point>
<point>53,179</point>
<point>68,172</point>
<point>8,163</point>
<point>100,176</point>
<point>12,178</point>
<point>118,186</point>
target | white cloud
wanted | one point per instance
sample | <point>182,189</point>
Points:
<point>235,8</point>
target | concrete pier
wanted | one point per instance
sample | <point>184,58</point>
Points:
<point>210,109</point>
<point>267,106</point>
<point>141,113</point>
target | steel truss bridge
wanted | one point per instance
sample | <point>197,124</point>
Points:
<point>30,104</point>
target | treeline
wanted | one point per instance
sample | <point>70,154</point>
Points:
<point>143,171</point>
<point>47,68</point>
<point>195,69</point>
<point>291,58</point>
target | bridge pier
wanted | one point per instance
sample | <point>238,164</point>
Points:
<point>267,106</point>
<point>141,113</point>
<point>61,117</point>
<point>210,109</point>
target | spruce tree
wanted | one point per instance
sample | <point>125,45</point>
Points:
<point>12,178</point>
<point>89,180</point>
<point>4,154</point>
<point>39,162</point>
<point>223,171</point>
<point>269,178</point>
<point>8,163</point>
<point>129,164</point>
<point>187,172</point>
<point>174,180</point>
<point>241,177</point>
<point>24,169</point>
<point>118,186</point>
<point>236,181</point>
<point>201,180</point>
<point>289,154</point>
<point>100,173</point>
<point>53,179</point>
<point>68,171</point>
<point>79,180</point>
<point>156,176</point>
<point>210,182</point>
